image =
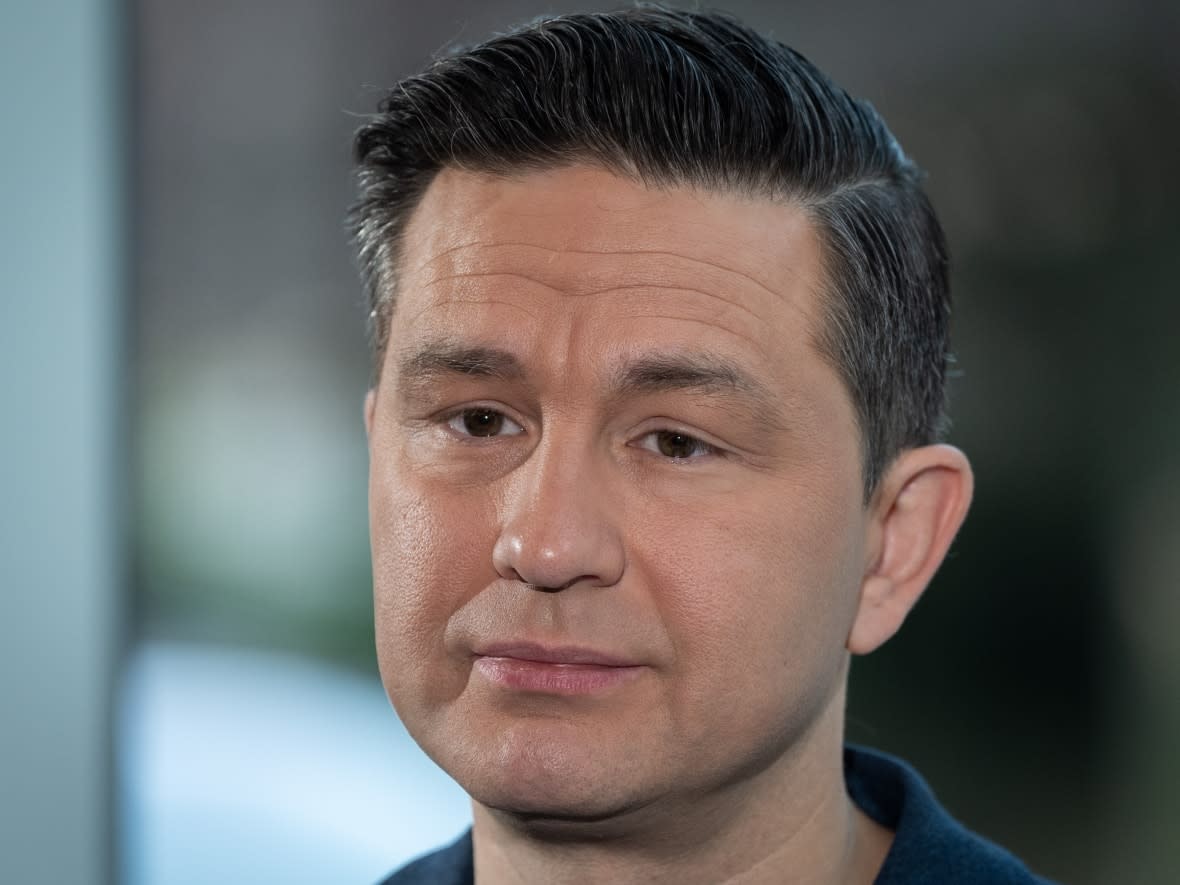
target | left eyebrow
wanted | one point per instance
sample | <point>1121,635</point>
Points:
<point>695,373</point>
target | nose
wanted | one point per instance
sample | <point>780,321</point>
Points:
<point>558,528</point>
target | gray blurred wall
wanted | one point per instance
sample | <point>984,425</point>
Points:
<point>61,468</point>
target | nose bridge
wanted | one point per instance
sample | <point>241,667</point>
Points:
<point>558,527</point>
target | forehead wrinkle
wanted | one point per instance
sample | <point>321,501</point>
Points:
<point>597,286</point>
<point>752,342</point>
<point>652,253</point>
<point>731,302</point>
<point>478,302</point>
<point>670,289</point>
<point>478,275</point>
<point>450,250</point>
<point>647,287</point>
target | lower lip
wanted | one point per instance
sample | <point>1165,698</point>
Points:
<point>547,678</point>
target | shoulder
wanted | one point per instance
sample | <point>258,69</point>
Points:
<point>929,845</point>
<point>451,865</point>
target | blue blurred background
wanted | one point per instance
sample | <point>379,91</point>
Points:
<point>185,640</point>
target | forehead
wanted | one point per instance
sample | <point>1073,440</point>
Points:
<point>583,256</point>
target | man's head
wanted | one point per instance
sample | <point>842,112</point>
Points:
<point>681,98</point>
<point>650,293</point>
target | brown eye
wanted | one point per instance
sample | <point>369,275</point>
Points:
<point>678,445</point>
<point>483,423</point>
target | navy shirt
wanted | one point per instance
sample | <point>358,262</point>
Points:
<point>929,846</point>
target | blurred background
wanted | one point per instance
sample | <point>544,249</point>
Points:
<point>189,684</point>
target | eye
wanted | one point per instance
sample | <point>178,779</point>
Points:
<point>481,422</point>
<point>676,445</point>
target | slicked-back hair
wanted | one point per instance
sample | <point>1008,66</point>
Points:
<point>679,98</point>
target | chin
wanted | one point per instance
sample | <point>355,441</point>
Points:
<point>567,817</point>
<point>539,797</point>
<point>550,778</point>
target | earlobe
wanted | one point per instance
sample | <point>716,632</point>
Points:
<point>921,503</point>
<point>370,407</point>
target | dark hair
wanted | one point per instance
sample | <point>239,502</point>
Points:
<point>673,97</point>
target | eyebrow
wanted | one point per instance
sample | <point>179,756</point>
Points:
<point>439,358</point>
<point>696,372</point>
<point>704,374</point>
<point>678,371</point>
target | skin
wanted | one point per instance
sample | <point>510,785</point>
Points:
<point>702,520</point>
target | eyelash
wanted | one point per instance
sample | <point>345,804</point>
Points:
<point>701,448</point>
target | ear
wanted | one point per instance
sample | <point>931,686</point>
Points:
<point>919,506</point>
<point>370,408</point>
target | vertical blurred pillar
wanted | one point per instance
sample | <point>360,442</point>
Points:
<point>61,245</point>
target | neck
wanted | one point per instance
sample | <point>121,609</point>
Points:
<point>792,822</point>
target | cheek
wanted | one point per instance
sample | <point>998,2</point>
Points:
<point>428,547</point>
<point>758,598</point>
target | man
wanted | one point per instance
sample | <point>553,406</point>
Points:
<point>660,322</point>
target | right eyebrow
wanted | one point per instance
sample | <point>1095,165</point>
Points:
<point>437,359</point>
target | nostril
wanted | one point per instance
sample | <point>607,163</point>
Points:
<point>543,589</point>
<point>557,588</point>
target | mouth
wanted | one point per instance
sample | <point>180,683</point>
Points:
<point>562,670</point>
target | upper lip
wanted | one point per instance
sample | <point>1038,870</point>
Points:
<point>555,654</point>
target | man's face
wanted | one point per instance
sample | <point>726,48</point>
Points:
<point>617,526</point>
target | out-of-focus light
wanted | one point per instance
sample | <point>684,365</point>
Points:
<point>245,767</point>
